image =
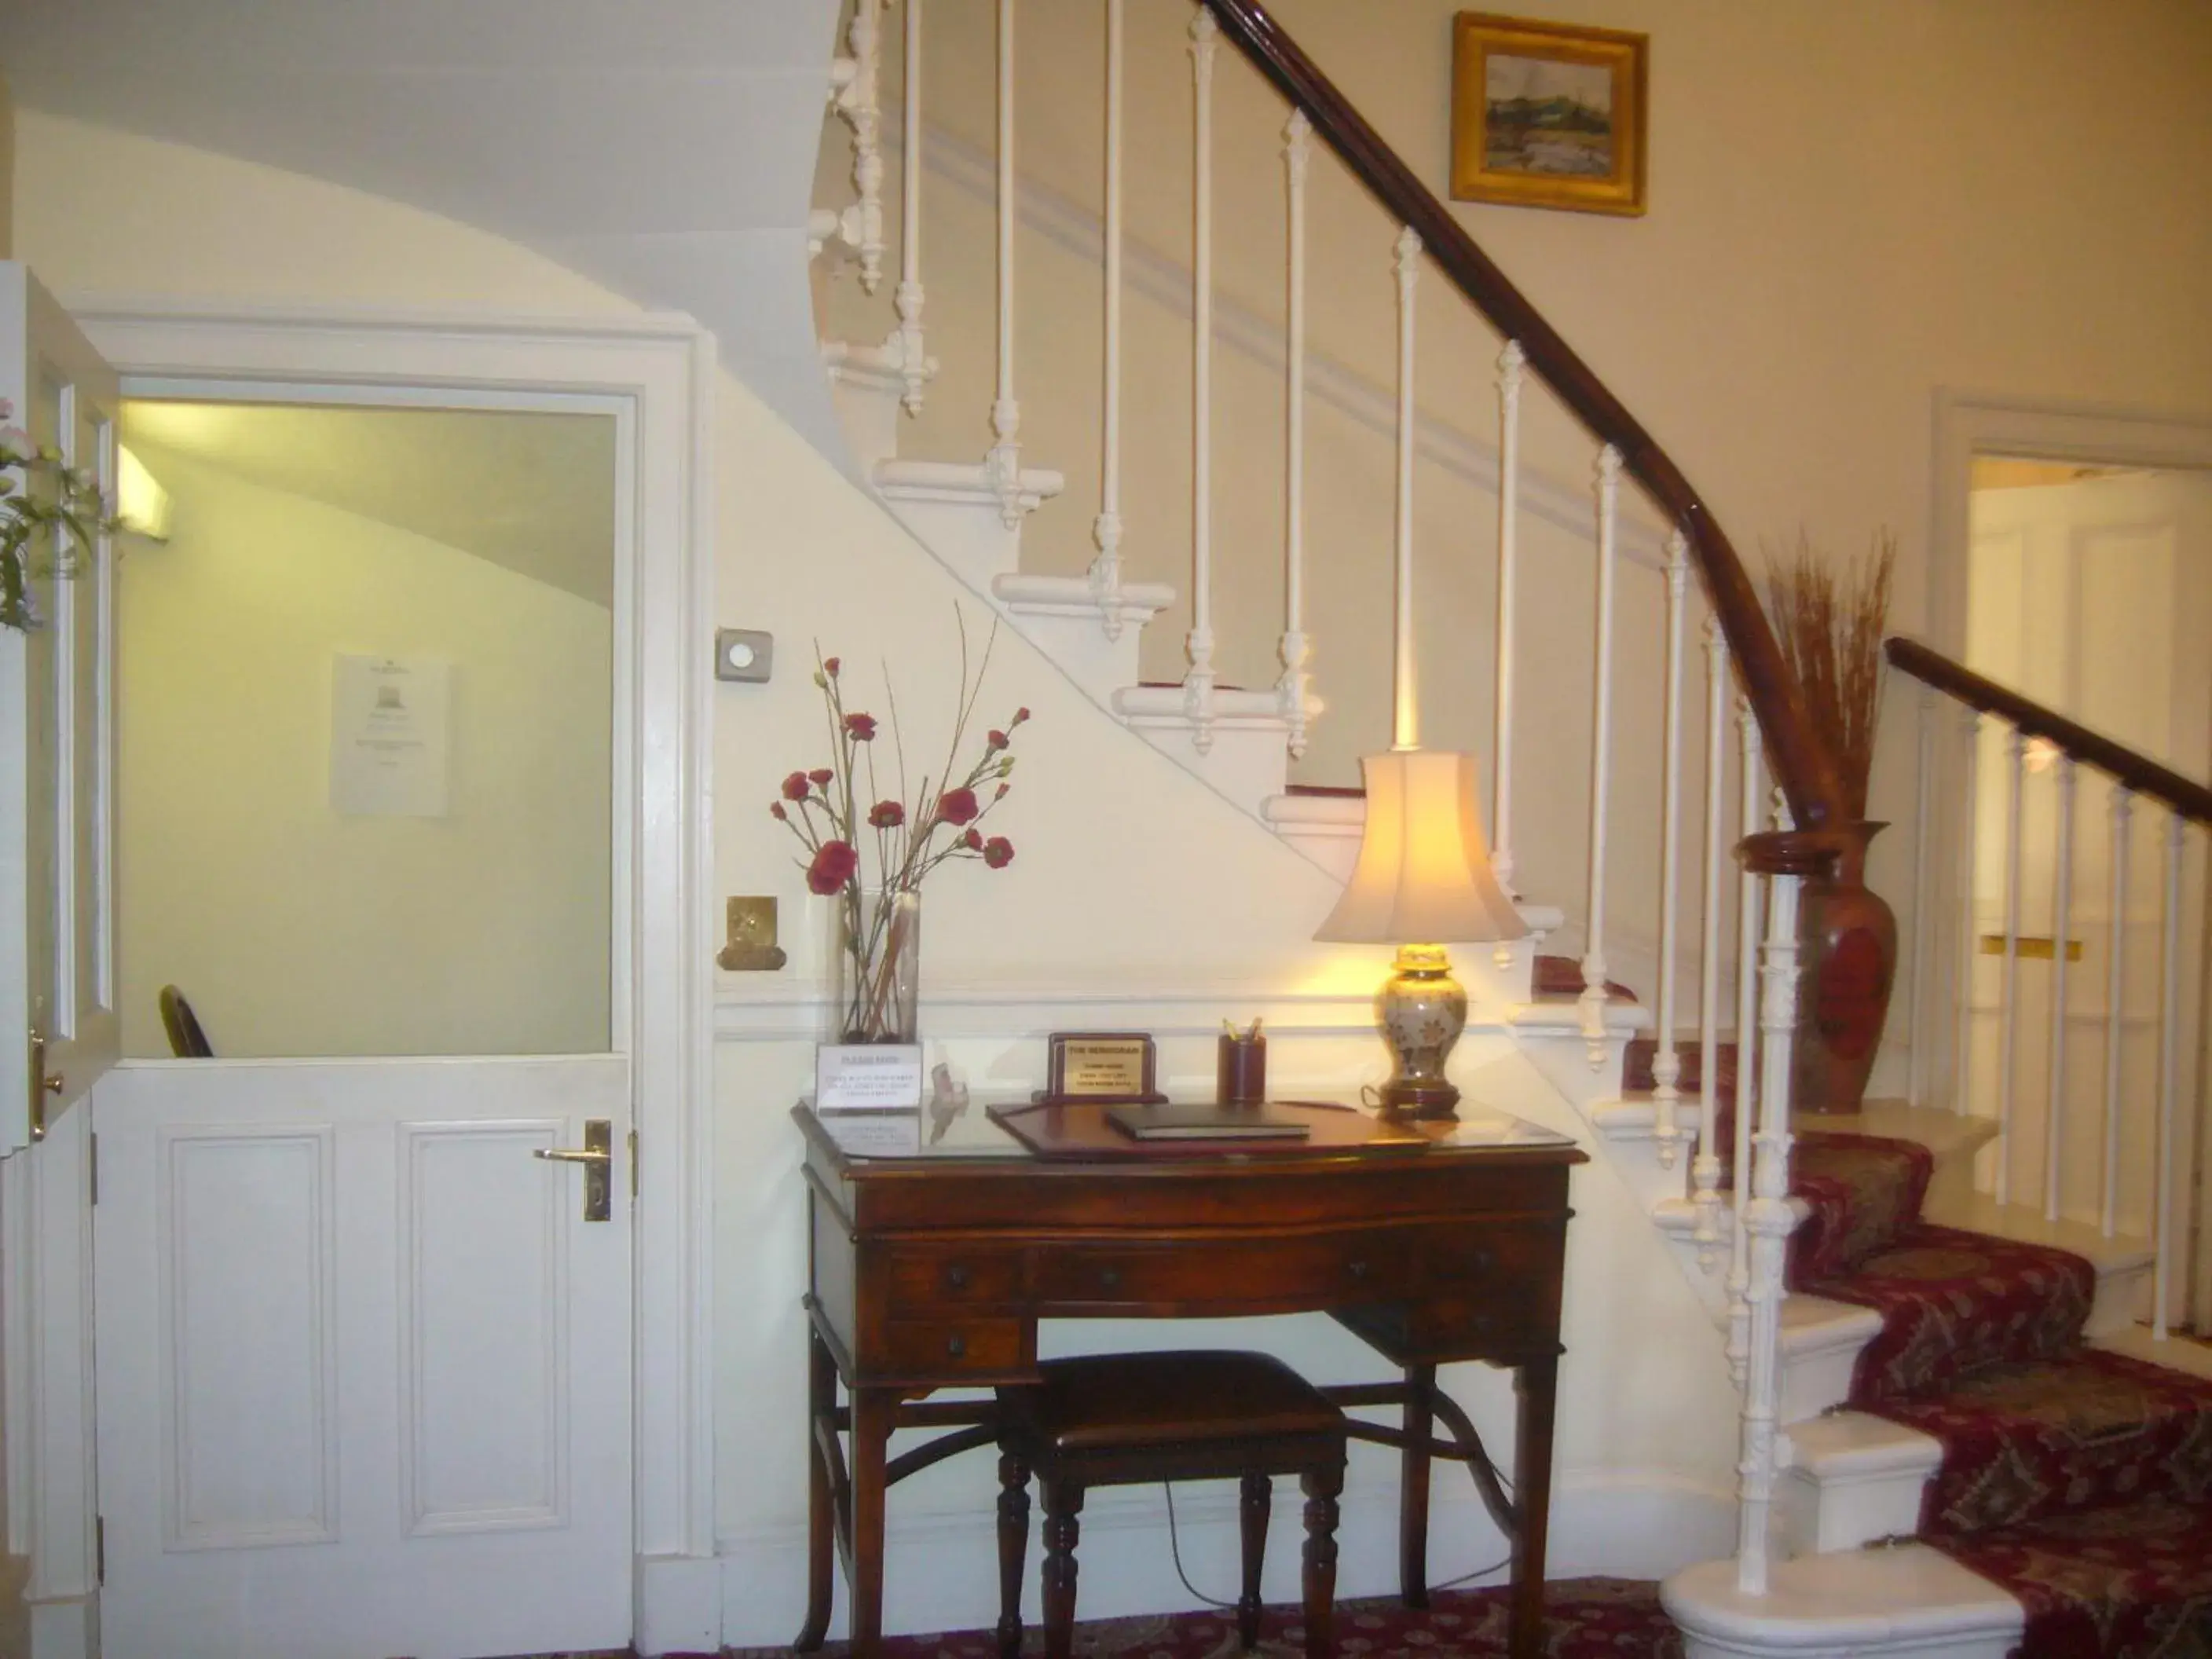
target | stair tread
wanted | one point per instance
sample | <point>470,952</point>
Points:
<point>2022,1224</point>
<point>1851,1600</point>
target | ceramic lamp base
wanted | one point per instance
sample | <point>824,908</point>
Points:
<point>1422,1010</point>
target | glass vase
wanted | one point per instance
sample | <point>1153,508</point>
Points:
<point>877,967</point>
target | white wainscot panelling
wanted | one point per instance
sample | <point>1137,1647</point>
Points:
<point>248,1327</point>
<point>483,1402</point>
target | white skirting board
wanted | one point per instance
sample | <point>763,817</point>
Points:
<point>941,1570</point>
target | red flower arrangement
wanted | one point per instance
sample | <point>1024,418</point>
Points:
<point>825,809</point>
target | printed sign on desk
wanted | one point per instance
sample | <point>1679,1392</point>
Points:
<point>390,733</point>
<point>860,1077</point>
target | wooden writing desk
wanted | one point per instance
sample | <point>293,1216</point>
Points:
<point>936,1247</point>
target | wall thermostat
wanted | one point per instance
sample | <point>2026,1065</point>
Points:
<point>744,653</point>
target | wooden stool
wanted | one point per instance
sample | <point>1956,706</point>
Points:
<point>1122,1419</point>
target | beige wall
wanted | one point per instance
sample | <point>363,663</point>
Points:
<point>7,171</point>
<point>294,929</point>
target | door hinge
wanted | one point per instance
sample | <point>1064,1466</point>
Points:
<point>633,1163</point>
<point>99,1549</point>
<point>92,1162</point>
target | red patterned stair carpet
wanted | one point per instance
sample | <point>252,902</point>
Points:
<point>1584,1619</point>
<point>2080,1480</point>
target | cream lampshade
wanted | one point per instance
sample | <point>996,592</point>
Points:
<point>1423,878</point>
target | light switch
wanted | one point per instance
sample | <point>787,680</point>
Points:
<point>746,654</point>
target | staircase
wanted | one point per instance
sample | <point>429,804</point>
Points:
<point>1951,1428</point>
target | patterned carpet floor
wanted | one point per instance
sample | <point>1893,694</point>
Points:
<point>1585,1619</point>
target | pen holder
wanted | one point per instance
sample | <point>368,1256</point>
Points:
<point>1242,1079</point>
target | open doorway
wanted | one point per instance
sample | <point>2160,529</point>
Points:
<point>2088,588</point>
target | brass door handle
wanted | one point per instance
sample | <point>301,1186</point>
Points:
<point>597,1155</point>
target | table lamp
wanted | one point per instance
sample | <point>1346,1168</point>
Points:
<point>1423,878</point>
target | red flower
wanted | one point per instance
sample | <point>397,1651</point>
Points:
<point>830,668</point>
<point>1020,714</point>
<point>998,852</point>
<point>861,728</point>
<point>958,805</point>
<point>795,786</point>
<point>1001,795</point>
<point>998,740</point>
<point>775,811</point>
<point>820,776</point>
<point>833,868</point>
<point>886,815</point>
<point>973,841</point>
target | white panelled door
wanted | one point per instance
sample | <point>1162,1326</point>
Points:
<point>364,1362</point>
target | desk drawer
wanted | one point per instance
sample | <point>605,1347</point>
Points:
<point>952,1348</point>
<point>1233,1275</point>
<point>934,1279</point>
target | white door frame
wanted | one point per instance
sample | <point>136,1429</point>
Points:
<point>665,366</point>
<point>1967,424</point>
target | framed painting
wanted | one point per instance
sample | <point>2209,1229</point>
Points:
<point>1548,114</point>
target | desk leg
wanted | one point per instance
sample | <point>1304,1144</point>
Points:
<point>1537,1383</point>
<point>873,1412</point>
<point>1413,1487</point>
<point>821,1496</point>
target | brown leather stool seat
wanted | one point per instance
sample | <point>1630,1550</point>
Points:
<point>1122,1419</point>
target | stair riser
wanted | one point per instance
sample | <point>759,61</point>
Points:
<point>1794,1645</point>
<point>1819,1516</point>
<point>1079,644</point>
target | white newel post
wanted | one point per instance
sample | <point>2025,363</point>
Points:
<point>1769,1221</point>
<point>861,101</point>
<point>1408,266</point>
<point>1005,461</point>
<point>1923,922</point>
<point>1748,890</point>
<point>1594,962</point>
<point>1106,529</point>
<point>915,366</point>
<point>2009,998</point>
<point>1962,1036</point>
<point>2062,905</point>
<point>1198,683</point>
<point>1297,148</point>
<point>1510,365</point>
<point>1706,1167</point>
<point>2169,1070</point>
<point>2116,982</point>
<point>1666,1065</point>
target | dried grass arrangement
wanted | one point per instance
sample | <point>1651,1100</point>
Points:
<point>1830,626</point>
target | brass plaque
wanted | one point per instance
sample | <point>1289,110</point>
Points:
<point>2031,948</point>
<point>1100,1066</point>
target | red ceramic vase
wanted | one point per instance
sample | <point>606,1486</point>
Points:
<point>1847,945</point>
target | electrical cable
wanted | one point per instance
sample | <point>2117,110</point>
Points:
<point>1174,1548</point>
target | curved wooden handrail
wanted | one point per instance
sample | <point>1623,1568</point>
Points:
<point>1800,763</point>
<point>2135,770</point>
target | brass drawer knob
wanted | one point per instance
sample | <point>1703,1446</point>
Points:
<point>1482,1261</point>
<point>957,1347</point>
<point>957,1276</point>
<point>1110,1278</point>
<point>1357,1269</point>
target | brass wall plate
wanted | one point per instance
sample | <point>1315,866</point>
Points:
<point>2031,947</point>
<point>752,948</point>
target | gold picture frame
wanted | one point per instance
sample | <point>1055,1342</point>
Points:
<point>1548,114</point>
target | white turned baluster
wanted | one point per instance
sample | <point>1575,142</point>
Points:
<point>1106,530</point>
<point>1923,921</point>
<point>1769,1221</point>
<point>1005,460</point>
<point>1746,1056</point>
<point>1198,683</point>
<point>1405,733</point>
<point>1510,363</point>
<point>861,101</point>
<point>1594,962</point>
<point>2116,981</point>
<point>1706,1167</point>
<point>2062,905</point>
<point>914,367</point>
<point>2008,998</point>
<point>1298,145</point>
<point>2169,1073</point>
<point>1666,1066</point>
<point>1962,1039</point>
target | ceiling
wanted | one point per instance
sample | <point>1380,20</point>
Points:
<point>664,148</point>
<point>534,493</point>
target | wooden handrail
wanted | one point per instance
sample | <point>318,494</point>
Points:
<point>2136,771</point>
<point>1801,762</point>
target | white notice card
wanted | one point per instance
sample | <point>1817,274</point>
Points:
<point>389,736</point>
